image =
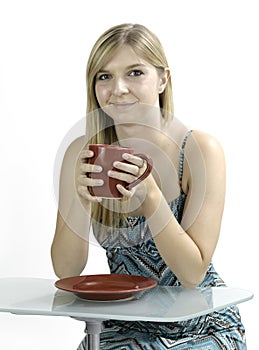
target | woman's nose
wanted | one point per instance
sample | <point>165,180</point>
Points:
<point>119,87</point>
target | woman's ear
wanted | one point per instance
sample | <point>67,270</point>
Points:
<point>165,75</point>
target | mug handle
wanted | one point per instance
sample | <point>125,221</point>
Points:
<point>149,161</point>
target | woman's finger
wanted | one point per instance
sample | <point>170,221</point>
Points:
<point>83,192</point>
<point>124,192</point>
<point>129,178</point>
<point>86,181</point>
<point>86,153</point>
<point>90,168</point>
<point>134,159</point>
<point>129,168</point>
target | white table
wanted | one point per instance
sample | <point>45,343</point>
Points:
<point>37,296</point>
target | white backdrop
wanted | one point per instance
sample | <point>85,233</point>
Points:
<point>212,47</point>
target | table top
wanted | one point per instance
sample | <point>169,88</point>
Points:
<point>37,296</point>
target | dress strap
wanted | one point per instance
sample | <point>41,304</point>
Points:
<point>180,171</point>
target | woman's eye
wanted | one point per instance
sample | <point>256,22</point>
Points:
<point>135,73</point>
<point>103,77</point>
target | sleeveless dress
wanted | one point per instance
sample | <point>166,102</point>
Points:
<point>130,249</point>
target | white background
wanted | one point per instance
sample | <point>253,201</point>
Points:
<point>212,48</point>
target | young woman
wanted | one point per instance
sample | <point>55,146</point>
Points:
<point>167,227</point>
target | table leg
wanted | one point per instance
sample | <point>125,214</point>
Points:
<point>93,329</point>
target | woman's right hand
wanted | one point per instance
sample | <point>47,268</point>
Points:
<point>83,181</point>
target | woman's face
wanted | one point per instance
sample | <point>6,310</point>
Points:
<point>127,81</point>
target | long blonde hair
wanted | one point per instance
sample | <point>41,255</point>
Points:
<point>99,126</point>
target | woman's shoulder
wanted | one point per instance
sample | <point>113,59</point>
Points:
<point>74,148</point>
<point>192,140</point>
<point>71,153</point>
<point>203,151</point>
<point>76,145</point>
<point>208,144</point>
<point>204,159</point>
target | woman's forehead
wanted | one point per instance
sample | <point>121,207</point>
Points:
<point>124,55</point>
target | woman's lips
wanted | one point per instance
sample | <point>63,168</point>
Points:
<point>124,105</point>
<point>116,109</point>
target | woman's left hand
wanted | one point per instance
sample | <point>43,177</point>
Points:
<point>128,172</point>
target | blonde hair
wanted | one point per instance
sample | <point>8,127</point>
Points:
<point>99,126</point>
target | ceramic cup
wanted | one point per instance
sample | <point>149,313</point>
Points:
<point>104,156</point>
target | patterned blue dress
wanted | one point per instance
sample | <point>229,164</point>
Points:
<point>131,250</point>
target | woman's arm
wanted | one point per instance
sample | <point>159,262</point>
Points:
<point>69,250</point>
<point>188,248</point>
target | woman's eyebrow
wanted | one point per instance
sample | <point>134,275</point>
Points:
<point>135,65</point>
<point>132,66</point>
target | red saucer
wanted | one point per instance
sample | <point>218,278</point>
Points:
<point>105,287</point>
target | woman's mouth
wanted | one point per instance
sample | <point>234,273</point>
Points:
<point>123,105</point>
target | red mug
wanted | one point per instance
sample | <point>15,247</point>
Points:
<point>105,155</point>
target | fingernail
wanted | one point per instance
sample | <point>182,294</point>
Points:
<point>99,182</point>
<point>125,156</point>
<point>98,168</point>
